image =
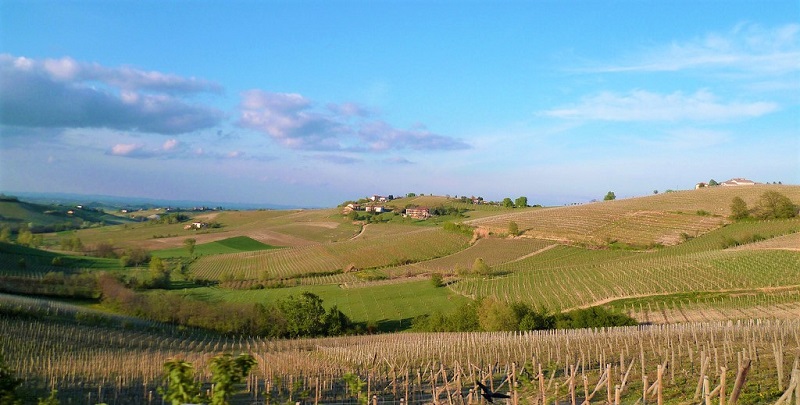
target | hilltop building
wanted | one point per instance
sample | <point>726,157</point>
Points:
<point>738,182</point>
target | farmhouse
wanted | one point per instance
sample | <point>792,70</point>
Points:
<point>195,225</point>
<point>700,185</point>
<point>352,207</point>
<point>418,213</point>
<point>375,208</point>
<point>738,182</point>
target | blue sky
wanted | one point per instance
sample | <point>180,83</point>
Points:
<point>312,103</point>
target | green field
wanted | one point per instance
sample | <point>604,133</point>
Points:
<point>235,244</point>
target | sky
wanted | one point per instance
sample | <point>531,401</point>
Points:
<point>312,103</point>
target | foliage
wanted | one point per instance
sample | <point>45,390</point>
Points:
<point>51,400</point>
<point>189,243</point>
<point>356,387</point>
<point>181,385</point>
<point>305,315</point>
<point>159,274</point>
<point>226,371</point>
<point>134,257</point>
<point>774,205</point>
<point>712,183</point>
<point>521,202</point>
<point>458,227</point>
<point>480,267</point>
<point>513,228</point>
<point>494,315</point>
<point>739,209</point>
<point>8,384</point>
<point>508,203</point>
<point>610,196</point>
<point>437,280</point>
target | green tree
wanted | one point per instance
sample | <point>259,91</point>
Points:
<point>304,315</point>
<point>739,209</point>
<point>336,322</point>
<point>189,243</point>
<point>159,275</point>
<point>774,205</point>
<point>437,280</point>
<point>508,203</point>
<point>494,315</point>
<point>481,268</point>
<point>610,196</point>
<point>5,234</point>
<point>712,183</point>
<point>181,385</point>
<point>521,202</point>
<point>226,371</point>
<point>513,228</point>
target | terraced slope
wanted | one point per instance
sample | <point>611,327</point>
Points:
<point>658,219</point>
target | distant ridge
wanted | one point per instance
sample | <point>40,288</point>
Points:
<point>74,199</point>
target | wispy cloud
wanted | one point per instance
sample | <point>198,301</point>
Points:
<point>640,105</point>
<point>338,159</point>
<point>746,48</point>
<point>293,121</point>
<point>64,93</point>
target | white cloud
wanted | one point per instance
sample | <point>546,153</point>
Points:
<point>294,122</point>
<point>126,149</point>
<point>747,48</point>
<point>64,93</point>
<point>170,145</point>
<point>640,105</point>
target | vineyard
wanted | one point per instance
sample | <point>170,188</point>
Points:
<point>687,363</point>
<point>377,247</point>
<point>657,219</point>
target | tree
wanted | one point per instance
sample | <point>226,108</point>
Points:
<point>712,183</point>
<point>481,268</point>
<point>655,191</point>
<point>513,228</point>
<point>774,205</point>
<point>227,371</point>
<point>181,385</point>
<point>508,203</point>
<point>304,315</point>
<point>437,280</point>
<point>739,209</point>
<point>189,243</point>
<point>159,275</point>
<point>610,196</point>
<point>495,315</point>
<point>521,202</point>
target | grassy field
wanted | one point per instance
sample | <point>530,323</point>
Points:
<point>235,244</point>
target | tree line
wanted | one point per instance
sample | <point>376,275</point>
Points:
<point>292,317</point>
<point>490,314</point>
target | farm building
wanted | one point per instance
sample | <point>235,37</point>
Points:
<point>375,208</point>
<point>418,213</point>
<point>738,182</point>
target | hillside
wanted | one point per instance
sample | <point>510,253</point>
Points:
<point>44,218</point>
<point>642,221</point>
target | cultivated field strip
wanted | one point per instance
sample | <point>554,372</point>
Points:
<point>125,366</point>
<point>493,251</point>
<point>564,286</point>
<point>377,247</point>
<point>659,218</point>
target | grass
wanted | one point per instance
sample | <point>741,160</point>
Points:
<point>388,305</point>
<point>235,244</point>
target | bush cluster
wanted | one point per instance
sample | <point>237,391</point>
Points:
<point>488,314</point>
